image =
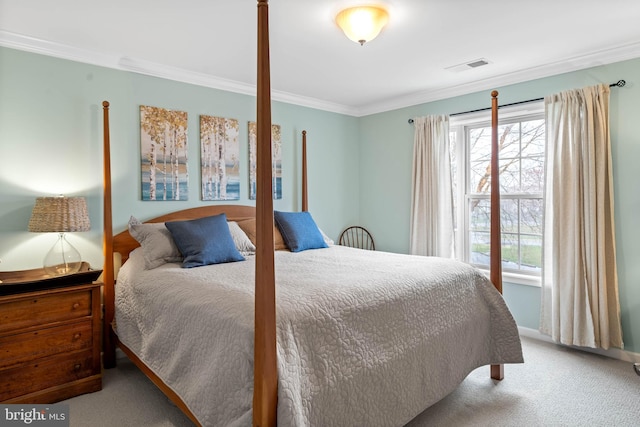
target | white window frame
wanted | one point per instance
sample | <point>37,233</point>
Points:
<point>458,125</point>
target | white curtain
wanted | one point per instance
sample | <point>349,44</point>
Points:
<point>431,195</point>
<point>580,303</point>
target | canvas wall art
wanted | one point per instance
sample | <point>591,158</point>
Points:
<point>219,158</point>
<point>163,160</point>
<point>276,160</point>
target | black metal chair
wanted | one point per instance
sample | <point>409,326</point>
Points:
<point>357,237</point>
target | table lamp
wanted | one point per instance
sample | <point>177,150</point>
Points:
<point>60,215</point>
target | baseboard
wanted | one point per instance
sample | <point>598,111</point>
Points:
<point>614,353</point>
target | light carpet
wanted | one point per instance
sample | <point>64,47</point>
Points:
<point>556,386</point>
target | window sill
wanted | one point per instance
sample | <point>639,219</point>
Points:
<point>518,279</point>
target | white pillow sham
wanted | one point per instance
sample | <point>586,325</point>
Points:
<point>158,246</point>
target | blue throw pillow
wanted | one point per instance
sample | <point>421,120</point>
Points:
<point>204,241</point>
<point>299,231</point>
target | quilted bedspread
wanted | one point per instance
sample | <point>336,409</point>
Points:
<point>363,338</point>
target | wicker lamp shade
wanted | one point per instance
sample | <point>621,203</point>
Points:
<point>59,214</point>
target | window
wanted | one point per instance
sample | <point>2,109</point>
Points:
<point>521,137</point>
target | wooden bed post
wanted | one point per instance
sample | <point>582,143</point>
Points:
<point>305,199</point>
<point>108,290</point>
<point>265,374</point>
<point>495,253</point>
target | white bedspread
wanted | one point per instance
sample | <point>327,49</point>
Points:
<point>364,338</point>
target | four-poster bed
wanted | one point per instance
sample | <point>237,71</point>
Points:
<point>384,342</point>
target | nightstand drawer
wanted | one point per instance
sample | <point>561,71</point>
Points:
<point>24,347</point>
<point>45,373</point>
<point>42,309</point>
<point>49,338</point>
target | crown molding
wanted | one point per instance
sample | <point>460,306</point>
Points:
<point>200,79</point>
<point>124,63</point>
<point>593,59</point>
<point>58,50</point>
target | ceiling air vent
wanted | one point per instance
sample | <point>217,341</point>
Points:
<point>468,65</point>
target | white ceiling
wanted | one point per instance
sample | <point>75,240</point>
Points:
<point>213,43</point>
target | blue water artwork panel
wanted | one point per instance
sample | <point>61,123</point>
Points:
<point>219,158</point>
<point>276,160</point>
<point>163,154</point>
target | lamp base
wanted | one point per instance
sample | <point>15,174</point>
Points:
<point>62,259</point>
<point>62,269</point>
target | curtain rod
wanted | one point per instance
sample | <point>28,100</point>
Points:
<point>619,83</point>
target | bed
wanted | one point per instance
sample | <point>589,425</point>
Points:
<point>351,337</point>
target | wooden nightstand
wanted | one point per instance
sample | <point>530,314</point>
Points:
<point>49,336</point>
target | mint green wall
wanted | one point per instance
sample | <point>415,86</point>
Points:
<point>386,144</point>
<point>359,168</point>
<point>51,143</point>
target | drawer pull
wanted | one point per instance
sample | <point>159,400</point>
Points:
<point>77,367</point>
<point>77,336</point>
<point>75,305</point>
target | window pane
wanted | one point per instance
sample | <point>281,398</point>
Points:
<point>479,215</point>
<point>531,216</point>
<point>531,253</point>
<point>508,140</point>
<point>480,144</point>
<point>509,216</point>
<point>521,233</point>
<point>532,174</point>
<point>521,160</point>
<point>479,158</point>
<point>479,177</point>
<point>479,243</point>
<point>533,132</point>
<point>454,175</point>
<point>510,251</point>
<point>509,175</point>
<point>521,157</point>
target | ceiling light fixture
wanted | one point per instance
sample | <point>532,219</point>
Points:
<point>362,23</point>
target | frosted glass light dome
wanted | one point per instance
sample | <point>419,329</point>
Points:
<point>362,23</point>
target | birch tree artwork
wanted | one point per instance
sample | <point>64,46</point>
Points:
<point>163,160</point>
<point>276,161</point>
<point>219,158</point>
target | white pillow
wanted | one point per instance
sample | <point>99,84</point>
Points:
<point>328,240</point>
<point>157,244</point>
<point>242,241</point>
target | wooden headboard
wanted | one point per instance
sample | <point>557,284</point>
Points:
<point>123,243</point>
